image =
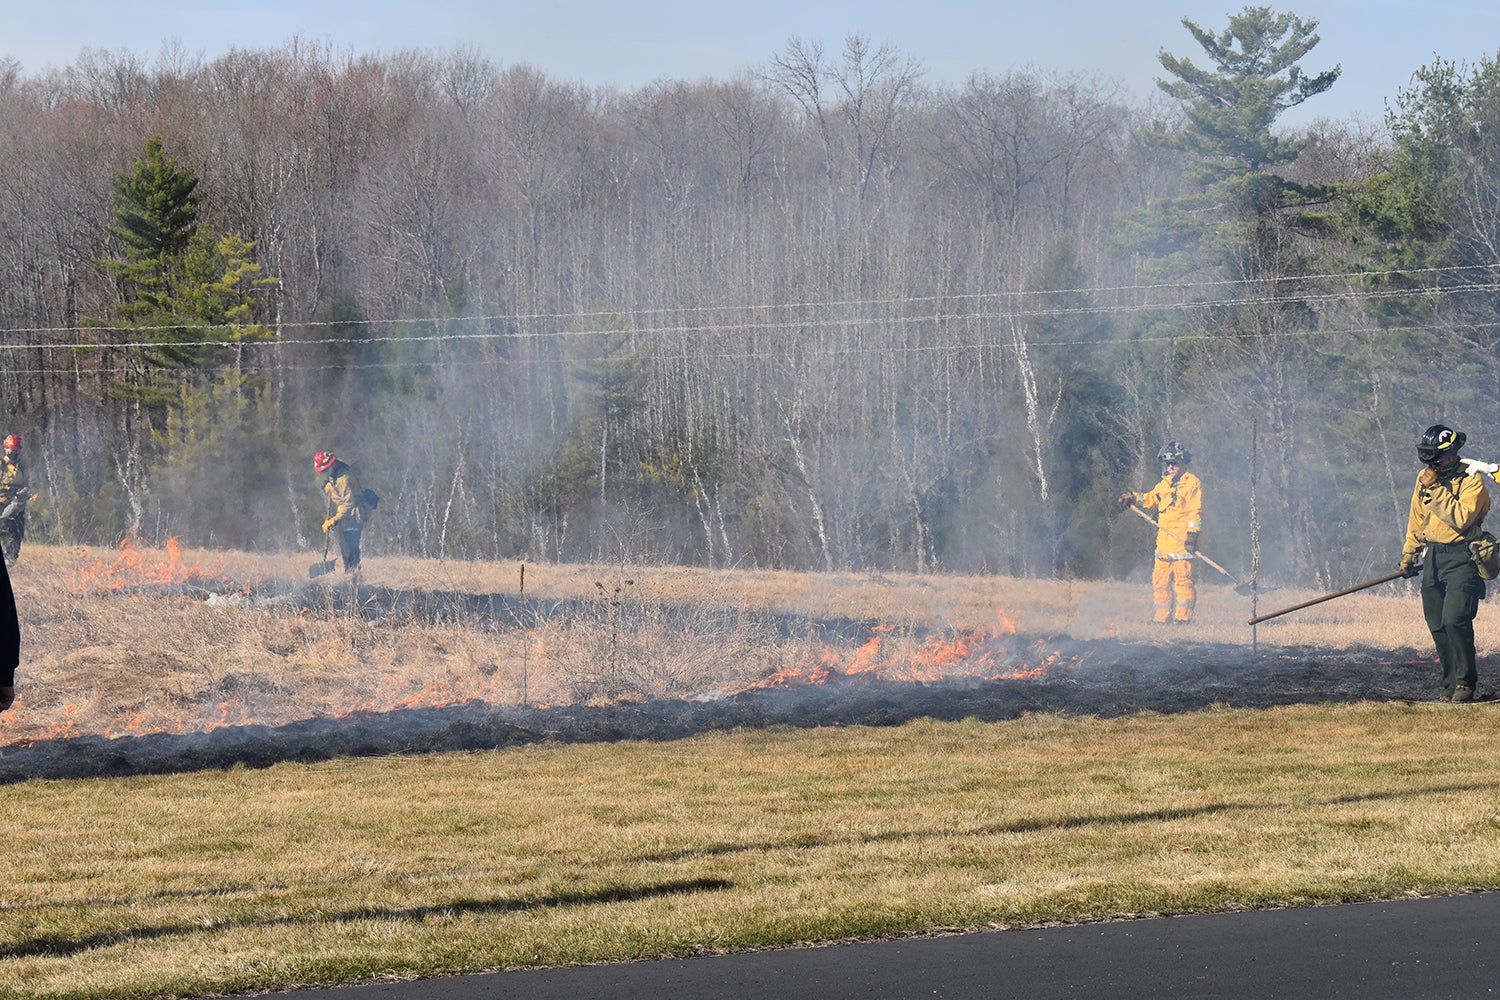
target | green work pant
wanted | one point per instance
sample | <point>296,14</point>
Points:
<point>1451,592</point>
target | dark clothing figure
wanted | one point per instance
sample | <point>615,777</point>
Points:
<point>1447,512</point>
<point>10,640</point>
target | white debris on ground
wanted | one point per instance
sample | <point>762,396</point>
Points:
<point>246,601</point>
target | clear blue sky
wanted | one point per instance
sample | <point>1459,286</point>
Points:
<point>1378,42</point>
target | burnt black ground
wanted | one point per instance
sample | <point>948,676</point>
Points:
<point>1105,679</point>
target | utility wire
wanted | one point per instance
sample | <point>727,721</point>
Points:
<point>780,354</point>
<point>869,319</point>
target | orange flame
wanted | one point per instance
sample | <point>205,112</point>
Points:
<point>135,566</point>
<point>962,651</point>
<point>889,653</point>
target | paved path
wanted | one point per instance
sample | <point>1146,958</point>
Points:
<point>1407,950</point>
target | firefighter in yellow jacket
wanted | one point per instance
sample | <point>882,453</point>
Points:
<point>345,511</point>
<point>1178,502</point>
<point>14,495</point>
<point>1448,507</point>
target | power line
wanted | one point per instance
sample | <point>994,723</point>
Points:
<point>517,333</point>
<point>822,350</point>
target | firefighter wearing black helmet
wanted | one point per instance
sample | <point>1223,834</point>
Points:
<point>1448,507</point>
<point>1178,501</point>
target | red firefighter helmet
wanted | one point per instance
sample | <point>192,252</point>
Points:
<point>12,442</point>
<point>323,461</point>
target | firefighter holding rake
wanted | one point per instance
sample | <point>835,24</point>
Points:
<point>1446,516</point>
<point>1178,501</point>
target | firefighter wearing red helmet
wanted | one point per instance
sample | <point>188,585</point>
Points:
<point>345,509</point>
<point>14,496</point>
<point>1448,507</point>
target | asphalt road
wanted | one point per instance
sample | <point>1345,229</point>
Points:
<point>1407,950</point>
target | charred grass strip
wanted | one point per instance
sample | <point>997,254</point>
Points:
<point>182,641</point>
<point>356,870</point>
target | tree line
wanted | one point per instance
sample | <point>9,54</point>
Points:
<point>823,315</point>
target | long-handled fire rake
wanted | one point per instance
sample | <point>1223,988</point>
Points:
<point>1239,587</point>
<point>1472,466</point>
<point>1339,593</point>
<point>326,565</point>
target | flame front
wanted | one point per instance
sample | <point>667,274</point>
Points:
<point>137,567</point>
<point>962,651</point>
<point>524,670</point>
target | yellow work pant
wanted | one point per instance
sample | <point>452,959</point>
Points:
<point>1172,584</point>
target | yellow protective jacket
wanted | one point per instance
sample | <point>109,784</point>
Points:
<point>1179,506</point>
<point>12,481</point>
<point>343,493</point>
<point>1450,510</point>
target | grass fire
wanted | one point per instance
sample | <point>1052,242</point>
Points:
<point>250,782</point>
<point>142,642</point>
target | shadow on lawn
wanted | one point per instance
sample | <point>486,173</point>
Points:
<point>62,947</point>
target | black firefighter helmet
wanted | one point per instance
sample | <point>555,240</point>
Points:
<point>1438,442</point>
<point>1174,452</point>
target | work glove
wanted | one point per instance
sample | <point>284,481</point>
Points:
<point>1408,568</point>
<point>1191,541</point>
<point>1427,477</point>
<point>330,523</point>
<point>1127,499</point>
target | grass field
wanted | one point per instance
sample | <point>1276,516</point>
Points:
<point>361,869</point>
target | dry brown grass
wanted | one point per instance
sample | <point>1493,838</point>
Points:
<point>365,869</point>
<point>114,643</point>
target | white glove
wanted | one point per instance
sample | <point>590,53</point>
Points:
<point>1475,467</point>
